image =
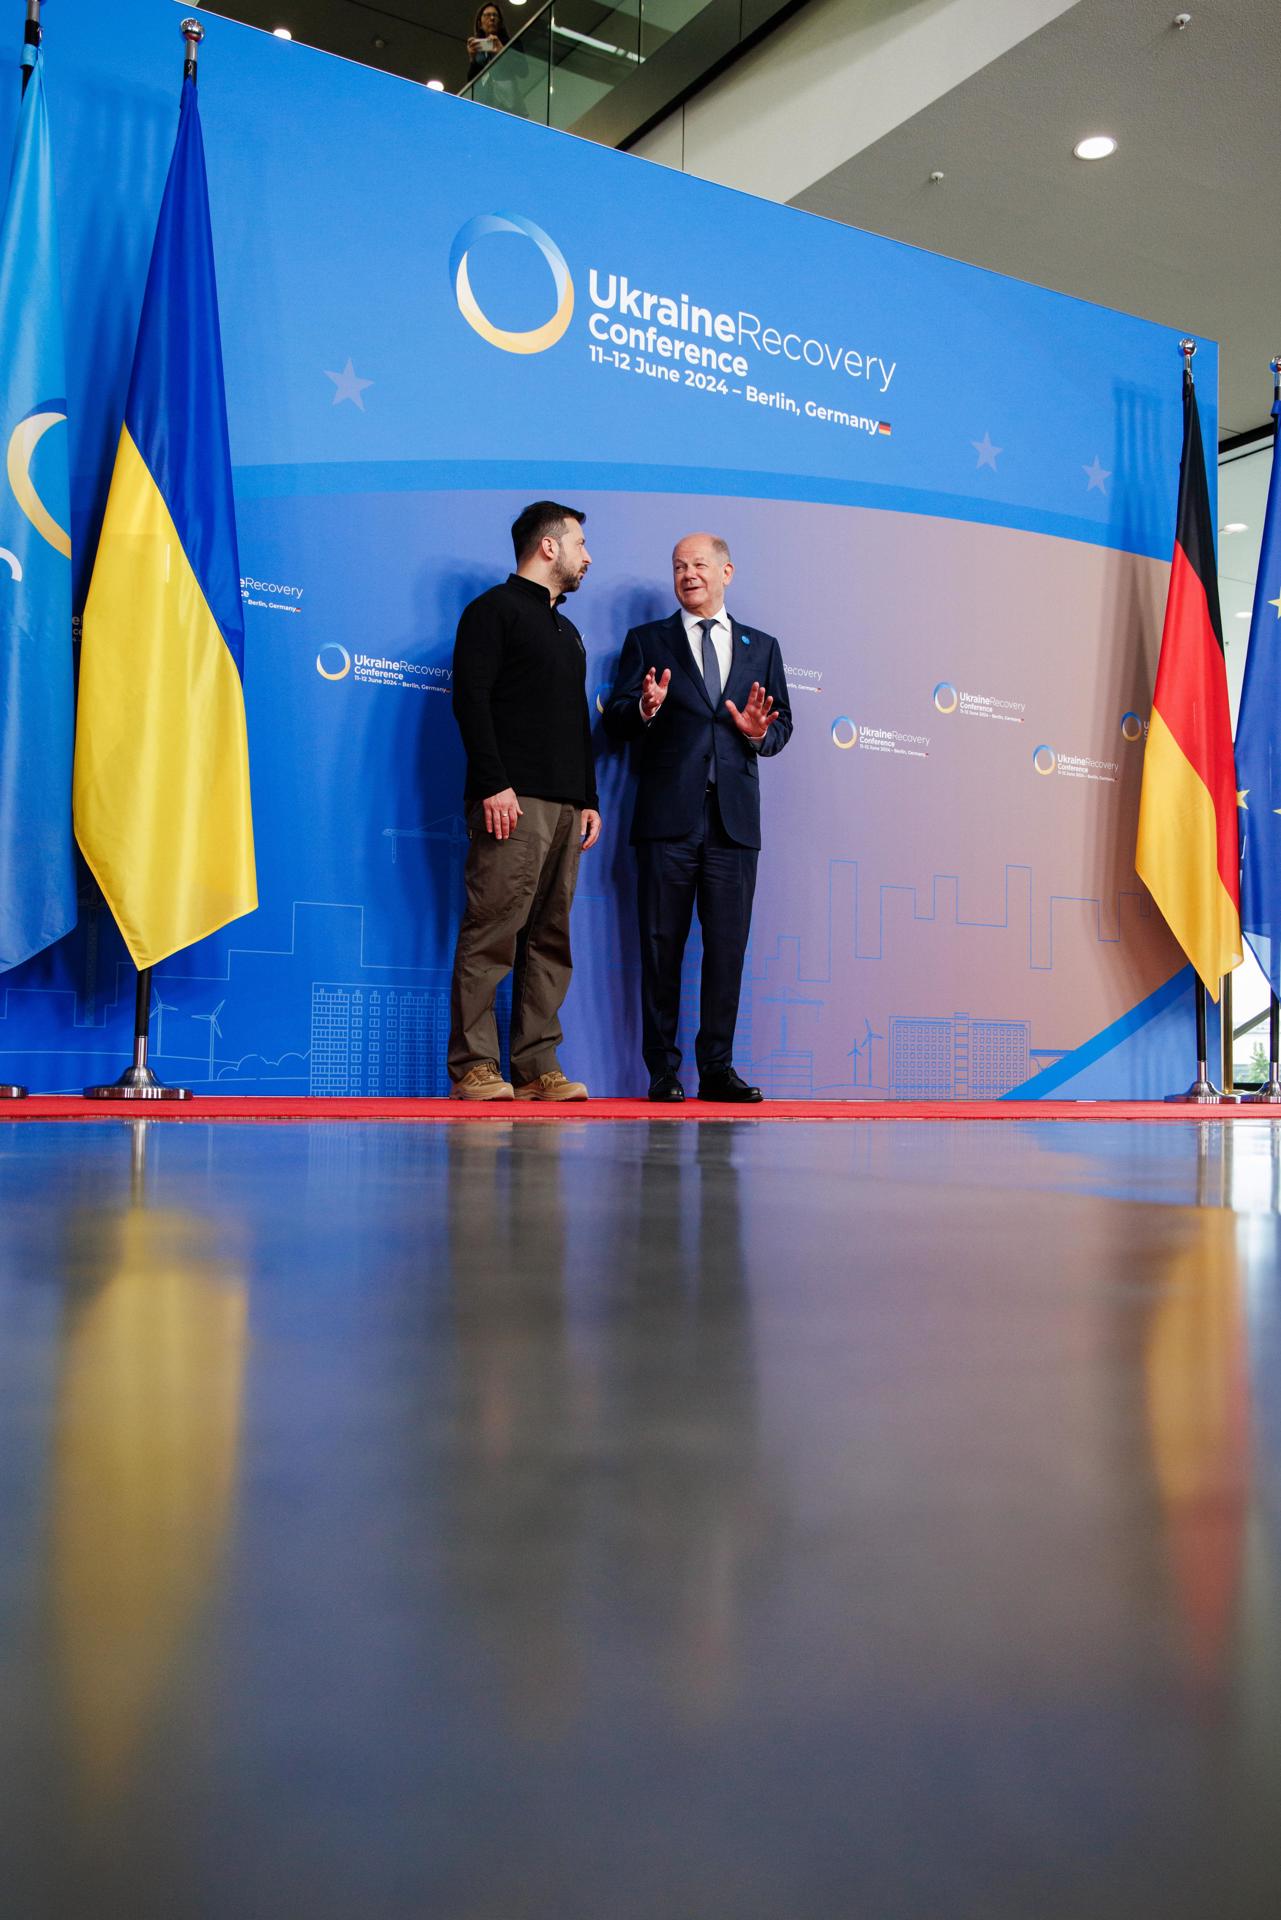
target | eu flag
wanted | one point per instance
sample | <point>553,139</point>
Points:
<point>1259,747</point>
<point>162,806</point>
<point>37,868</point>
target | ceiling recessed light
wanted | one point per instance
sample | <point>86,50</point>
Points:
<point>435,86</point>
<point>281,33</point>
<point>1235,526</point>
<point>1096,146</point>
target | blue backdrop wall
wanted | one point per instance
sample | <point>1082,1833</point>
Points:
<point>949,494</point>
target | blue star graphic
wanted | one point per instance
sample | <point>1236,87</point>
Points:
<point>986,451</point>
<point>348,385</point>
<point>1096,475</point>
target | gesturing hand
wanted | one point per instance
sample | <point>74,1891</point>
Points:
<point>654,692</point>
<point>590,824</point>
<point>757,716</point>
<point>502,811</point>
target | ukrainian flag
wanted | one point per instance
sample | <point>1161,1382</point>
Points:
<point>161,791</point>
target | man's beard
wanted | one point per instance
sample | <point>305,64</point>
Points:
<point>567,582</point>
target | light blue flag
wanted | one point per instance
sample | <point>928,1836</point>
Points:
<point>37,871</point>
<point>1258,747</point>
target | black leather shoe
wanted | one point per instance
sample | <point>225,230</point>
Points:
<point>725,1084</point>
<point>665,1086</point>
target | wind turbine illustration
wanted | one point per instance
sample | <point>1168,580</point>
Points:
<point>160,1008</point>
<point>214,1030</point>
<point>864,1046</point>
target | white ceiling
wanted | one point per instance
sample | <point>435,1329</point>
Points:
<point>1180,225</point>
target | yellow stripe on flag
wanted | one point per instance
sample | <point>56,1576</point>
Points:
<point>1177,858</point>
<point>161,791</point>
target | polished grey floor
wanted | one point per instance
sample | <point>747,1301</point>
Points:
<point>640,1522</point>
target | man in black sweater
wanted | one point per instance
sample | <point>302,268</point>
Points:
<point>520,699</point>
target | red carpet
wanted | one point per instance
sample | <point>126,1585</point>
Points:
<point>251,1107</point>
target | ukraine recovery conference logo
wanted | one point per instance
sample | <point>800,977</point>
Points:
<point>536,339</point>
<point>1044,759</point>
<point>844,733</point>
<point>333,662</point>
<point>945,697</point>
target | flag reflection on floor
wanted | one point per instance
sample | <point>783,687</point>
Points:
<point>1198,1411</point>
<point>147,1423</point>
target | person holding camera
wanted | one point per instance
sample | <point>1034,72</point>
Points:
<point>487,38</point>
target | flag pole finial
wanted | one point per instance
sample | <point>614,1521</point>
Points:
<point>193,33</point>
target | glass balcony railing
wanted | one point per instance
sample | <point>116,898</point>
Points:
<point>607,71</point>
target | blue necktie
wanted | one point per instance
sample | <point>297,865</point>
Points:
<point>712,676</point>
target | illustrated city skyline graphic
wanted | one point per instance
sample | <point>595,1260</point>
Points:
<point>811,1025</point>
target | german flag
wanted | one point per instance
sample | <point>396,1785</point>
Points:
<point>1187,853</point>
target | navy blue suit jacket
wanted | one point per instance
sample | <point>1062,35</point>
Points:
<point>676,748</point>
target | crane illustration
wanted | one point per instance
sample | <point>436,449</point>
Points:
<point>451,828</point>
<point>786,1000</point>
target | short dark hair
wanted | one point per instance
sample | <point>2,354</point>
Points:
<point>536,521</point>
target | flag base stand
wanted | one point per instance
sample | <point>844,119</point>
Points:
<point>1202,1093</point>
<point>13,1093</point>
<point>138,1082</point>
<point>1269,1094</point>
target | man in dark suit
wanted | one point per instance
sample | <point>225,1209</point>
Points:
<point>707,700</point>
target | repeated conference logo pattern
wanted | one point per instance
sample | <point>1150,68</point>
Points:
<point>333,662</point>
<point>23,441</point>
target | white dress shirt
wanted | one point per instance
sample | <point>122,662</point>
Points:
<point>722,640</point>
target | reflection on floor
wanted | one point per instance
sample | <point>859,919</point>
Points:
<point>640,1523</point>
